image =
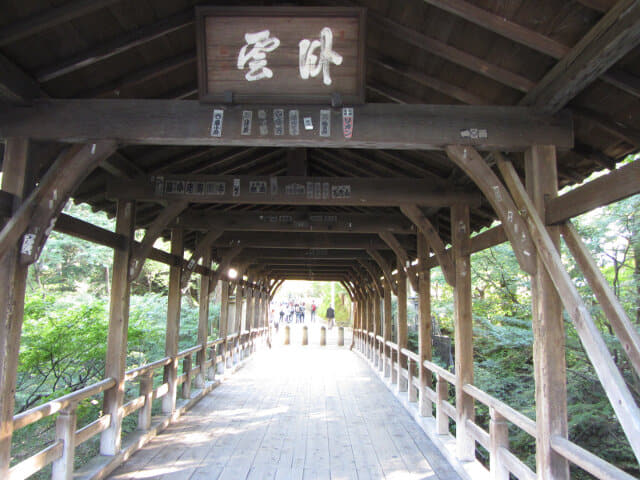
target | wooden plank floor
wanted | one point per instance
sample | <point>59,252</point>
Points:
<point>293,413</point>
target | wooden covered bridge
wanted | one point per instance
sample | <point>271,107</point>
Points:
<point>326,141</point>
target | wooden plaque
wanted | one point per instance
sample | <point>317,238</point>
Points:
<point>280,54</point>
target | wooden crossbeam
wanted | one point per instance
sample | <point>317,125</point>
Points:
<point>245,189</point>
<point>469,160</point>
<point>614,385</point>
<point>329,241</point>
<point>384,126</point>
<point>266,255</point>
<point>617,33</point>
<point>141,251</point>
<point>375,276</point>
<point>616,185</point>
<point>283,221</point>
<point>121,44</point>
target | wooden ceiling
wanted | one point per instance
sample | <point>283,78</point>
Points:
<point>579,55</point>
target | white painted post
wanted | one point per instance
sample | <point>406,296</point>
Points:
<point>323,336</point>
<point>341,336</point>
<point>65,433</point>
<point>146,390</point>
<point>305,335</point>
<point>498,437</point>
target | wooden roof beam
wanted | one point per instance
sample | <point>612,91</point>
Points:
<point>140,76</point>
<point>530,38</point>
<point>122,43</point>
<point>49,18</point>
<point>305,241</point>
<point>385,267</point>
<point>383,126</point>
<point>450,53</point>
<point>15,85</point>
<point>291,221</point>
<point>446,88</point>
<point>607,42</point>
<point>401,255</point>
<point>348,191</point>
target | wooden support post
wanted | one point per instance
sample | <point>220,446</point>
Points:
<point>424,329</point>
<point>402,327</point>
<point>442,395</point>
<point>65,433</point>
<point>386,327</point>
<point>499,438</point>
<point>186,368</point>
<point>411,390</point>
<point>376,328</point>
<point>248,308</point>
<point>173,323</point>
<point>13,277</point>
<point>223,326</point>
<point>146,390</point>
<point>203,320</point>
<point>240,291</point>
<point>548,328</point>
<point>465,445</point>
<point>110,440</point>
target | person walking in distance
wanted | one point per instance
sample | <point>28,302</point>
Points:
<point>331,314</point>
<point>313,312</point>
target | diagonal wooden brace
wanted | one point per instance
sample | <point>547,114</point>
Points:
<point>34,220</point>
<point>386,269</point>
<point>614,385</point>
<point>201,248</point>
<point>402,255</point>
<point>142,250</point>
<point>414,214</point>
<point>472,163</point>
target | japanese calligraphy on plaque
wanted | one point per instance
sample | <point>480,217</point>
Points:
<point>281,54</point>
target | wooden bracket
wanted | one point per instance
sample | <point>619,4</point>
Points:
<point>32,223</point>
<point>224,265</point>
<point>472,163</point>
<point>614,385</point>
<point>403,257</point>
<point>373,274</point>
<point>426,227</point>
<point>384,266</point>
<point>198,253</point>
<point>142,250</point>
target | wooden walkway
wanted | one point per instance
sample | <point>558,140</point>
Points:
<point>293,413</point>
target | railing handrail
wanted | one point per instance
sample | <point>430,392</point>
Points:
<point>438,370</point>
<point>188,351</point>
<point>519,419</point>
<point>136,372</point>
<point>34,414</point>
<point>409,354</point>
<point>586,460</point>
<point>392,345</point>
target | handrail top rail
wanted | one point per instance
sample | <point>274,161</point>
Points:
<point>409,354</point>
<point>511,414</point>
<point>438,370</point>
<point>34,414</point>
<point>188,351</point>
<point>380,338</point>
<point>392,345</point>
<point>135,372</point>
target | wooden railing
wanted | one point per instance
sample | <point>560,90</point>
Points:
<point>387,358</point>
<point>229,350</point>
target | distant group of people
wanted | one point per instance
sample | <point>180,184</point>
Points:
<point>296,312</point>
